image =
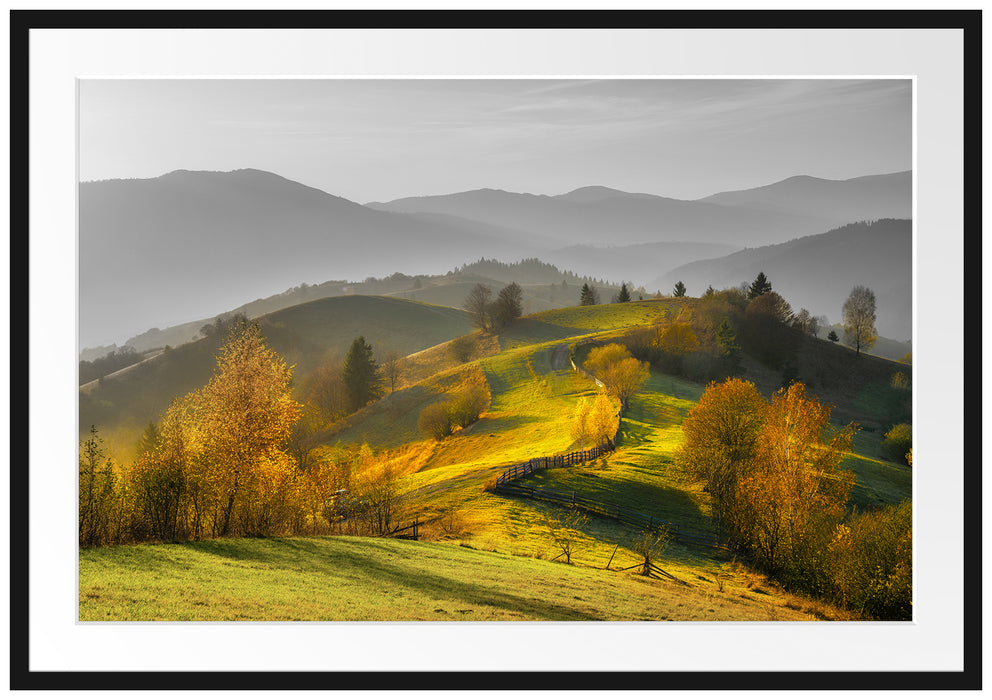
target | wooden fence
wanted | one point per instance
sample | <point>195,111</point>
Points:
<point>505,484</point>
<point>410,532</point>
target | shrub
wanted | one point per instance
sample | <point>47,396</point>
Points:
<point>900,381</point>
<point>435,421</point>
<point>898,442</point>
<point>468,406</point>
<point>461,349</point>
<point>872,563</point>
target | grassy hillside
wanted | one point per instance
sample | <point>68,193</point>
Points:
<point>305,336</point>
<point>544,286</point>
<point>532,401</point>
<point>343,578</point>
<point>533,397</point>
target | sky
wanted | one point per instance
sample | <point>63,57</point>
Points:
<point>378,140</point>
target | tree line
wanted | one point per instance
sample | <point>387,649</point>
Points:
<point>231,459</point>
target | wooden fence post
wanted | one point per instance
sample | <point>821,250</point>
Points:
<point>612,555</point>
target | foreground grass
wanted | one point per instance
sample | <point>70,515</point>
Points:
<point>352,578</point>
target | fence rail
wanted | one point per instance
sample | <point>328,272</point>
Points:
<point>505,483</point>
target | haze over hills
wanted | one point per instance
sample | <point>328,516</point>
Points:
<point>187,245</point>
<point>818,272</point>
<point>190,245</point>
<point>544,287</point>
<point>595,216</point>
<point>841,201</point>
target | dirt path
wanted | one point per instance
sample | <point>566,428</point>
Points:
<point>560,358</point>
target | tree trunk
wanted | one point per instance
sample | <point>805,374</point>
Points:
<point>230,506</point>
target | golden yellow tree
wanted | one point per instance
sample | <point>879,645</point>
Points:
<point>678,339</point>
<point>603,420</point>
<point>620,373</point>
<point>796,490</point>
<point>580,423</point>
<point>247,414</point>
<point>721,435</point>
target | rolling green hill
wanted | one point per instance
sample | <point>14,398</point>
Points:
<point>305,336</point>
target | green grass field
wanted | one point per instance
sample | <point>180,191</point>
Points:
<point>351,578</point>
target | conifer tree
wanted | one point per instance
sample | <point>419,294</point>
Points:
<point>361,375</point>
<point>759,286</point>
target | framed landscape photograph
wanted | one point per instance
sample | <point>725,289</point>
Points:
<point>616,353</point>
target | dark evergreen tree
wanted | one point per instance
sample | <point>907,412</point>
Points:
<point>679,290</point>
<point>509,304</point>
<point>588,296</point>
<point>149,439</point>
<point>759,286</point>
<point>833,337</point>
<point>361,375</point>
<point>623,295</point>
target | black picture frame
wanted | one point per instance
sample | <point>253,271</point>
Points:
<point>22,22</point>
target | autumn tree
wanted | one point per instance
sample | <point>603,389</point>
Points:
<point>806,322</point>
<point>479,305</point>
<point>678,339</point>
<point>325,389</point>
<point>679,290</point>
<point>772,470</point>
<point>391,368</point>
<point>771,305</point>
<point>361,375</point>
<point>373,484</point>
<point>247,414</point>
<point>760,286</point>
<point>603,420</point>
<point>620,373</point>
<point>721,443</point>
<point>579,427</point>
<point>796,491</point>
<point>859,319</point>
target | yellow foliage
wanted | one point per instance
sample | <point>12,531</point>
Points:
<point>678,339</point>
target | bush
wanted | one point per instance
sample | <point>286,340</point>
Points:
<point>468,407</point>
<point>435,421</point>
<point>898,442</point>
<point>872,563</point>
<point>461,349</point>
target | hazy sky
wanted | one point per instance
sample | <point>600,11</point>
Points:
<point>376,140</point>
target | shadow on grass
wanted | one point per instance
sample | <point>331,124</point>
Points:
<point>368,560</point>
<point>528,331</point>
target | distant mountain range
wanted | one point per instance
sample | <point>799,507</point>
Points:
<point>818,272</point>
<point>188,245</point>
